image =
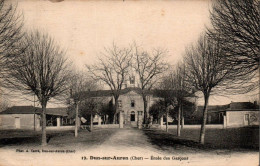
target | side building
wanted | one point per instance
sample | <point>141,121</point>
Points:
<point>241,114</point>
<point>29,117</point>
<point>235,114</point>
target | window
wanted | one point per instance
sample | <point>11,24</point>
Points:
<point>132,80</point>
<point>132,103</point>
<point>119,104</point>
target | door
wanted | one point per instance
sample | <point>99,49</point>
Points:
<point>133,119</point>
<point>246,119</point>
<point>132,116</point>
<point>17,123</point>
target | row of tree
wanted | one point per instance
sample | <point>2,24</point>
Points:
<point>33,63</point>
<point>226,56</point>
<point>224,60</point>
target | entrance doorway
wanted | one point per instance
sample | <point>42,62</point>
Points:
<point>133,119</point>
<point>132,116</point>
<point>17,123</point>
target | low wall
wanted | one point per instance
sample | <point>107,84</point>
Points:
<point>217,126</point>
<point>107,126</point>
<point>60,128</point>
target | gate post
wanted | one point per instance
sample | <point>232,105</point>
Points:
<point>139,120</point>
<point>99,120</point>
<point>121,119</point>
<point>161,122</point>
<point>58,121</point>
<point>224,121</point>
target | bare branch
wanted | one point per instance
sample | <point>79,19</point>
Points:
<point>236,24</point>
<point>206,70</point>
<point>112,68</point>
<point>148,66</point>
<point>41,69</point>
<point>11,24</point>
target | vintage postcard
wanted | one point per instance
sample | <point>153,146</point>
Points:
<point>129,82</point>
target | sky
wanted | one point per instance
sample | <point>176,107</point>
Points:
<point>85,28</point>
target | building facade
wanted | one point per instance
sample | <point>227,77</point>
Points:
<point>241,114</point>
<point>130,102</point>
<point>29,117</point>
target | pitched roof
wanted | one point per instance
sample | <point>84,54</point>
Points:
<point>171,93</point>
<point>106,93</point>
<point>234,106</point>
<point>37,110</point>
<point>211,109</point>
<point>20,110</point>
<point>242,105</point>
<point>61,111</point>
<point>156,93</point>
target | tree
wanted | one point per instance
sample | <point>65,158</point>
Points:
<point>236,24</point>
<point>148,67</point>
<point>182,89</point>
<point>41,69</point>
<point>4,104</point>
<point>79,85</point>
<point>10,34</point>
<point>174,89</point>
<point>167,98</point>
<point>90,107</point>
<point>157,110</point>
<point>107,110</point>
<point>162,107</point>
<point>112,69</point>
<point>206,71</point>
<point>187,109</point>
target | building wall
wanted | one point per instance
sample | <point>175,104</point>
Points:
<point>126,106</point>
<point>12,121</point>
<point>238,118</point>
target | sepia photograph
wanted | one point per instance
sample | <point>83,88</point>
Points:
<point>129,82</point>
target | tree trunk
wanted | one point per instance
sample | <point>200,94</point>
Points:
<point>145,110</point>
<point>205,114</point>
<point>182,122</point>
<point>116,110</point>
<point>167,112</point>
<point>182,118</point>
<point>179,121</point>
<point>91,122</point>
<point>76,119</point>
<point>44,139</point>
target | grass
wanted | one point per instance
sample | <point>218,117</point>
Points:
<point>234,139</point>
<point>54,138</point>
